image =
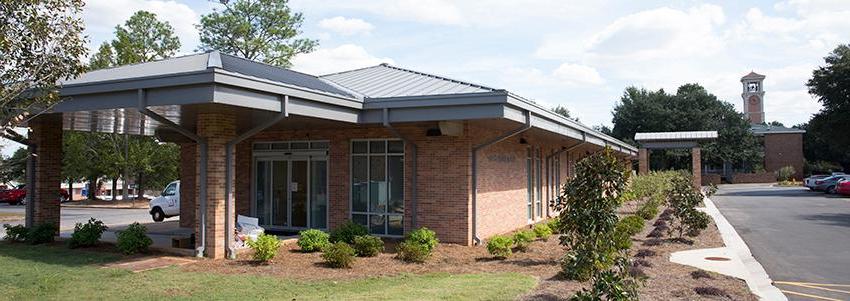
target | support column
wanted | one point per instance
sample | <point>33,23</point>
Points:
<point>643,161</point>
<point>696,167</point>
<point>217,127</point>
<point>188,170</point>
<point>46,135</point>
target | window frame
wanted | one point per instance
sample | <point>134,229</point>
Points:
<point>368,155</point>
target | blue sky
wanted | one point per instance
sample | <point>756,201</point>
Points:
<point>580,54</point>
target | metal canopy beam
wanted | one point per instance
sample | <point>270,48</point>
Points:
<point>669,145</point>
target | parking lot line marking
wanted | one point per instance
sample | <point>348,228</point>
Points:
<point>811,283</point>
<point>821,288</point>
<point>808,295</point>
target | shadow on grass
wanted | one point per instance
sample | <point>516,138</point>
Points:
<point>57,253</point>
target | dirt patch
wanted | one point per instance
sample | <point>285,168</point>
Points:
<point>666,280</point>
<point>149,263</point>
<point>10,217</point>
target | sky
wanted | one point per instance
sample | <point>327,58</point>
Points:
<point>578,54</point>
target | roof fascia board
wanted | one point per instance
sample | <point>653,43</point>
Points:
<point>310,108</point>
<point>433,113</point>
<point>123,99</point>
<point>261,84</point>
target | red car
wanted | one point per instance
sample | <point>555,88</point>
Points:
<point>843,187</point>
<point>19,195</point>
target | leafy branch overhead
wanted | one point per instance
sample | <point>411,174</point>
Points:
<point>263,30</point>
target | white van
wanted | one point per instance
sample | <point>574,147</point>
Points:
<point>166,204</point>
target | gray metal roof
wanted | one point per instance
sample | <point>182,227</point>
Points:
<point>383,81</point>
<point>175,65</point>
<point>257,69</point>
<point>763,129</point>
<point>676,136</point>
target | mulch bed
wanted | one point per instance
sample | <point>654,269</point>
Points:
<point>666,280</point>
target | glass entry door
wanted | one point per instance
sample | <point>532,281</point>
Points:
<point>290,192</point>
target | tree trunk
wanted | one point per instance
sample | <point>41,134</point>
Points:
<point>92,188</point>
<point>70,190</point>
<point>140,193</point>
<point>114,188</point>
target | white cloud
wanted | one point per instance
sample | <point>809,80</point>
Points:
<point>341,58</point>
<point>346,26</point>
<point>577,74</point>
<point>101,17</point>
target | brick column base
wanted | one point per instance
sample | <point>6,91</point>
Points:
<point>696,167</point>
<point>217,127</point>
<point>47,136</point>
<point>643,161</point>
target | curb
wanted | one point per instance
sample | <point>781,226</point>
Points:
<point>758,280</point>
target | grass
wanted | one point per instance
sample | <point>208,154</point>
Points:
<point>57,273</point>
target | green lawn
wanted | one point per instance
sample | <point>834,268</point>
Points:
<point>56,273</point>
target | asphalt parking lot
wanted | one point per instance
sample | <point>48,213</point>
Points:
<point>70,215</point>
<point>801,237</point>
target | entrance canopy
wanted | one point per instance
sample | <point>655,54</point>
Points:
<point>667,140</point>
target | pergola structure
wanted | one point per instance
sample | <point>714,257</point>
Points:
<point>673,140</point>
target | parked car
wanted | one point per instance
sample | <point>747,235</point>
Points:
<point>810,181</point>
<point>828,184</point>
<point>843,187</point>
<point>18,195</point>
<point>166,204</point>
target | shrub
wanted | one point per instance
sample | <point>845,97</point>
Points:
<point>313,240</point>
<point>133,239</point>
<point>347,231</point>
<point>410,251</point>
<point>683,202</point>
<point>612,284</point>
<point>423,236</point>
<point>500,246</point>
<point>542,231</point>
<point>522,239</point>
<point>265,247</point>
<point>339,255</point>
<point>42,233</point>
<point>696,222</point>
<point>88,234</point>
<point>632,224</point>
<point>785,173</point>
<point>578,265</point>
<point>554,225</point>
<point>710,291</point>
<point>698,274</point>
<point>17,233</point>
<point>648,210</point>
<point>622,239</point>
<point>368,245</point>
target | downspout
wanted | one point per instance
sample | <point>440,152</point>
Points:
<point>475,149</point>
<point>230,253</point>
<point>413,195</point>
<point>202,143</point>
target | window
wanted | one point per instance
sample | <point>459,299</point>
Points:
<point>377,185</point>
<point>170,190</point>
<point>530,182</point>
<point>539,179</point>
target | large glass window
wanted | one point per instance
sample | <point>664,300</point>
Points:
<point>530,181</point>
<point>539,178</point>
<point>377,185</point>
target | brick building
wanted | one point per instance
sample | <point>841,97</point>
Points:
<point>390,148</point>
<point>782,146</point>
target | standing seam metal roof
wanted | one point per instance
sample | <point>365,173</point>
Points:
<point>388,81</point>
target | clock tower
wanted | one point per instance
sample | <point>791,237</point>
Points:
<point>753,96</point>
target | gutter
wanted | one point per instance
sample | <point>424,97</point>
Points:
<point>230,253</point>
<point>475,149</point>
<point>413,193</point>
<point>202,190</point>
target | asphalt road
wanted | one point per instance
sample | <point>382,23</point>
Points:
<point>70,216</point>
<point>801,237</point>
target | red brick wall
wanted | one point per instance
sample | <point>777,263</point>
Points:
<point>761,177</point>
<point>187,170</point>
<point>217,127</point>
<point>47,136</point>
<point>782,150</point>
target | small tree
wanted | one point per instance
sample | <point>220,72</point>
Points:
<point>683,201</point>
<point>588,214</point>
<point>785,173</point>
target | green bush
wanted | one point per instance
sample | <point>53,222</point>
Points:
<point>42,233</point>
<point>265,247</point>
<point>423,236</point>
<point>542,231</point>
<point>411,251</point>
<point>697,221</point>
<point>368,245</point>
<point>500,246</point>
<point>577,265</point>
<point>313,240</point>
<point>17,233</point>
<point>631,224</point>
<point>614,284</point>
<point>622,239</point>
<point>134,239</point>
<point>785,173</point>
<point>88,234</point>
<point>554,224</point>
<point>522,239</point>
<point>347,231</point>
<point>648,210</point>
<point>683,200</point>
<point>339,255</point>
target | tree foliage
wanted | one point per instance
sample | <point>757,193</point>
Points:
<point>143,38</point>
<point>263,30</point>
<point>104,58</point>
<point>40,45</point>
<point>826,136</point>
<point>14,168</point>
<point>692,108</point>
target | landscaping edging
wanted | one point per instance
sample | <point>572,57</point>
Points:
<point>756,277</point>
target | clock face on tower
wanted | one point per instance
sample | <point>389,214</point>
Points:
<point>754,100</point>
